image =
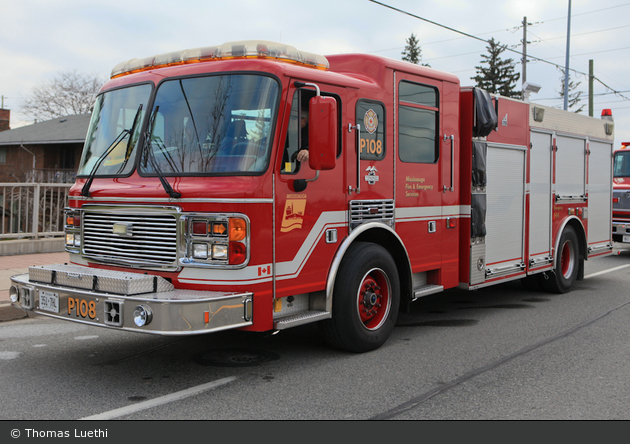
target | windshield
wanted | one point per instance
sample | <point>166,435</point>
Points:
<point>114,112</point>
<point>216,124</point>
<point>622,164</point>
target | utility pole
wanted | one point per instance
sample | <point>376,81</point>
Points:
<point>591,77</point>
<point>524,59</point>
<point>525,85</point>
<point>566,65</point>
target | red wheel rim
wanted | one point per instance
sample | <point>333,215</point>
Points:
<point>374,299</point>
<point>566,259</point>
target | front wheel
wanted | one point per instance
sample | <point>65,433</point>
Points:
<point>366,299</point>
<point>565,272</point>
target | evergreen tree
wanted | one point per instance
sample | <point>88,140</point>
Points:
<point>412,52</point>
<point>498,77</point>
<point>574,96</point>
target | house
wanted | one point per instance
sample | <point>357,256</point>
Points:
<point>46,152</point>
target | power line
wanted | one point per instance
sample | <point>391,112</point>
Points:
<point>398,48</point>
<point>429,21</point>
<point>508,49</point>
<point>584,13</point>
<point>448,57</point>
<point>585,33</point>
<point>595,52</point>
<point>516,28</point>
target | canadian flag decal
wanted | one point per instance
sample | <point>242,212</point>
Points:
<point>264,271</point>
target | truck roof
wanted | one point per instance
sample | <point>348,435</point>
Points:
<point>362,68</point>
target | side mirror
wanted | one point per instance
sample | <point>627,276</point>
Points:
<point>323,133</point>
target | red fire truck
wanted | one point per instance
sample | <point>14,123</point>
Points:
<point>621,194</point>
<point>192,213</point>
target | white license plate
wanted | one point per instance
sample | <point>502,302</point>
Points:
<point>49,301</point>
<point>626,239</point>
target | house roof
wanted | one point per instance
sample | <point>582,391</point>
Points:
<point>68,129</point>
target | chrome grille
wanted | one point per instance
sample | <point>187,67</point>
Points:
<point>371,211</point>
<point>149,238</point>
<point>622,200</point>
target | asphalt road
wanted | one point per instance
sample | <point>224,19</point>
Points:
<point>501,353</point>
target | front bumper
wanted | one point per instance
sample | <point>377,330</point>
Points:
<point>111,299</point>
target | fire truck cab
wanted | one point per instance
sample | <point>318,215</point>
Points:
<point>254,186</point>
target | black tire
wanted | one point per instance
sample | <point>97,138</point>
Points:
<point>567,264</point>
<point>366,299</point>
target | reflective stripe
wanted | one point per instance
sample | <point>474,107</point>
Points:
<point>253,274</point>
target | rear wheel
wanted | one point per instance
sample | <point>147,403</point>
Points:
<point>366,299</point>
<point>565,272</point>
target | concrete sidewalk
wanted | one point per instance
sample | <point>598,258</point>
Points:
<point>12,265</point>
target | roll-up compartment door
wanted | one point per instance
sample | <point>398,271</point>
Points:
<point>540,199</point>
<point>570,168</point>
<point>599,196</point>
<point>505,209</point>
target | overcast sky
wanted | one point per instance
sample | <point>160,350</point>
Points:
<point>39,38</point>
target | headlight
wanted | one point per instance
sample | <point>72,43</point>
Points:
<point>14,294</point>
<point>73,230</point>
<point>220,252</point>
<point>216,240</point>
<point>200,251</point>
<point>142,315</point>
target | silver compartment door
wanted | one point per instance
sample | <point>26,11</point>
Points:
<point>570,168</point>
<point>506,209</point>
<point>599,196</point>
<point>540,199</point>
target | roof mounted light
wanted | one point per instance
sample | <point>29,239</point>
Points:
<point>231,50</point>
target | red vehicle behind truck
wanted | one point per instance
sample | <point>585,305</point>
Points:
<point>191,213</point>
<point>621,194</point>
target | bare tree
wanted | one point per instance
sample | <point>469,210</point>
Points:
<point>68,93</point>
<point>574,96</point>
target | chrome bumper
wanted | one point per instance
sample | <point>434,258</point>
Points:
<point>93,296</point>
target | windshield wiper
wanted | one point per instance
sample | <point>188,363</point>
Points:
<point>151,157</point>
<point>85,191</point>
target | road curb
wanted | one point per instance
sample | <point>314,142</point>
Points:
<point>10,313</point>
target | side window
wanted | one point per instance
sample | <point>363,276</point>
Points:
<point>418,114</point>
<point>371,117</point>
<point>297,134</point>
<point>622,165</point>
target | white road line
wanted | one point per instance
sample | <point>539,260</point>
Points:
<point>606,271</point>
<point>159,401</point>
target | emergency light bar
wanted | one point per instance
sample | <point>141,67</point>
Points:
<point>231,50</point>
<point>608,125</point>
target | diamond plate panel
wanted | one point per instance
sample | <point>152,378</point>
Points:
<point>107,281</point>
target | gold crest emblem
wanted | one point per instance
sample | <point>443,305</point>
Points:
<point>370,120</point>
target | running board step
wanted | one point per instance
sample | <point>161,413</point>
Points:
<point>299,319</point>
<point>426,290</point>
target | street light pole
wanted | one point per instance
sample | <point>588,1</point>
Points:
<point>566,65</point>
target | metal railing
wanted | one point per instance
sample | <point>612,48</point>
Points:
<point>51,175</point>
<point>32,210</point>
